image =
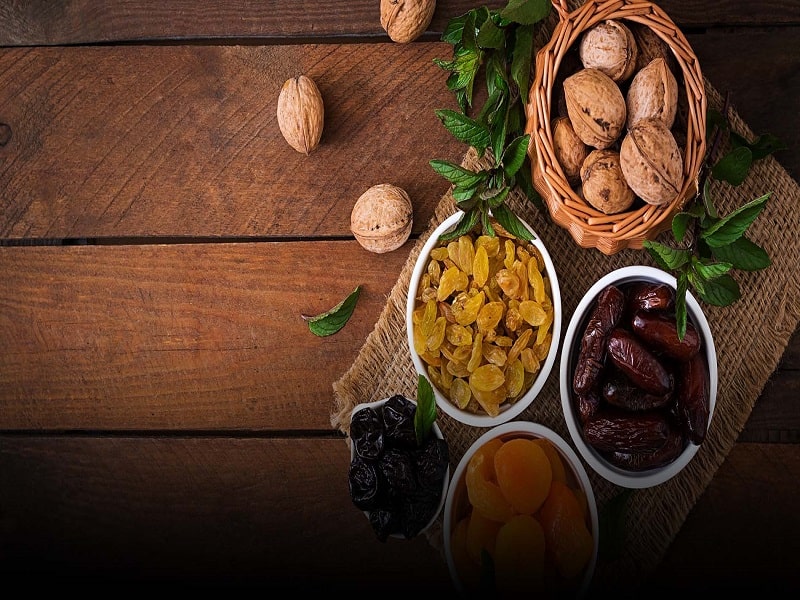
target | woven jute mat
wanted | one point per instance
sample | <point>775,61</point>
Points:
<point>770,306</point>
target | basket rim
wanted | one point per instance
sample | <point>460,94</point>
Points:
<point>589,227</point>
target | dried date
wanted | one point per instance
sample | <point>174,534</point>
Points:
<point>620,392</point>
<point>604,317</point>
<point>660,333</point>
<point>650,296</point>
<point>642,461</point>
<point>692,398</point>
<point>639,365</point>
<point>587,405</point>
<point>612,431</point>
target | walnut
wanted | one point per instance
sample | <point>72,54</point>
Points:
<point>610,47</point>
<point>604,186</point>
<point>301,113</point>
<point>651,162</point>
<point>406,20</point>
<point>569,149</point>
<point>653,93</point>
<point>596,107</point>
<point>381,219</point>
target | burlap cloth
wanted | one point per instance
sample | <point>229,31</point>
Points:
<point>750,336</point>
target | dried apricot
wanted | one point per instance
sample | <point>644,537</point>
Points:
<point>467,569</point>
<point>481,535</point>
<point>483,492</point>
<point>523,474</point>
<point>556,464</point>
<point>568,540</point>
<point>519,556</point>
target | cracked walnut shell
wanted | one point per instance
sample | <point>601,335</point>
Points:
<point>381,219</point>
<point>301,113</point>
<point>653,93</point>
<point>596,107</point>
<point>406,20</point>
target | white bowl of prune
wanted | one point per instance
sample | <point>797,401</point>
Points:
<point>638,398</point>
<point>398,478</point>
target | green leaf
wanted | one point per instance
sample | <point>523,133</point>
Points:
<point>333,320</point>
<point>455,30</point>
<point>680,222</point>
<point>487,224</point>
<point>497,132</point>
<point>468,40</point>
<point>512,223</point>
<point>524,180</point>
<point>490,35</point>
<point>708,202</point>
<point>734,166</point>
<point>730,228</point>
<point>667,258</point>
<point>714,119</point>
<point>763,146</point>
<point>526,12</point>
<point>514,155</point>
<point>457,174</point>
<point>498,196</point>
<point>521,60</point>
<point>465,129</point>
<point>743,254</point>
<point>710,271</point>
<point>461,194</point>
<point>425,414</point>
<point>612,526</point>
<point>465,224</point>
<point>680,302</point>
<point>722,291</point>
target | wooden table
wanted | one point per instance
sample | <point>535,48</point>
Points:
<point>164,411</point>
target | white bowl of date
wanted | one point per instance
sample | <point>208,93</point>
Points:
<point>398,483</point>
<point>483,318</point>
<point>638,400</point>
<point>521,517</point>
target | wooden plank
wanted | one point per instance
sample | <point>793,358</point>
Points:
<point>42,22</point>
<point>136,337</point>
<point>277,512</point>
<point>184,141</point>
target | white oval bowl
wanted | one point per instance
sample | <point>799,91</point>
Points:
<point>507,411</point>
<point>614,474</point>
<point>576,473</point>
<point>445,484</point>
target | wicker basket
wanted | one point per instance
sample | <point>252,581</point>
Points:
<point>591,228</point>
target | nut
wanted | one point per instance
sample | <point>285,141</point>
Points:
<point>610,47</point>
<point>604,185</point>
<point>653,93</point>
<point>301,113</point>
<point>569,149</point>
<point>596,107</point>
<point>650,46</point>
<point>381,218</point>
<point>651,162</point>
<point>406,20</point>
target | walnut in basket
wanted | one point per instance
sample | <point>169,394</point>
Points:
<point>610,47</point>
<point>604,185</point>
<point>651,162</point>
<point>596,107</point>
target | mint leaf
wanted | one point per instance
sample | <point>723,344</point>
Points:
<point>497,197</point>
<point>333,320</point>
<point>514,155</point>
<point>680,222</point>
<point>666,257</point>
<point>425,414</point>
<point>730,228</point>
<point>680,303</point>
<point>763,146</point>
<point>465,129</point>
<point>511,223</point>
<point>490,35</point>
<point>521,60</point>
<point>721,291</point>
<point>734,166</point>
<point>465,224</point>
<point>457,174</point>
<point>710,271</point>
<point>743,254</point>
<point>526,12</point>
<point>454,30</point>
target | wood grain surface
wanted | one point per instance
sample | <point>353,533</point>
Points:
<point>164,413</point>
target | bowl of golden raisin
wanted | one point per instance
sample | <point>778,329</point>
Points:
<point>483,318</point>
<point>520,516</point>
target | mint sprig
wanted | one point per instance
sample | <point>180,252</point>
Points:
<point>331,321</point>
<point>718,244</point>
<point>425,414</point>
<point>497,44</point>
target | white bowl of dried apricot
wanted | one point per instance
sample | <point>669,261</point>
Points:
<point>483,318</point>
<point>521,516</point>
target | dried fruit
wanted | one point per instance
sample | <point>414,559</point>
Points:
<point>653,93</point>
<point>604,185</point>
<point>381,218</point>
<point>406,20</point>
<point>610,47</point>
<point>569,149</point>
<point>596,107</point>
<point>651,162</point>
<point>301,113</point>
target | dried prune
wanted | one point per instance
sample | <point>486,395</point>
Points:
<point>366,433</point>
<point>620,392</point>
<point>642,461</point>
<point>398,421</point>
<point>639,365</point>
<point>605,315</point>
<point>396,470</point>
<point>431,463</point>
<point>660,333</point>
<point>613,431</point>
<point>415,512</point>
<point>692,398</point>
<point>650,296</point>
<point>364,485</point>
<point>384,522</point>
